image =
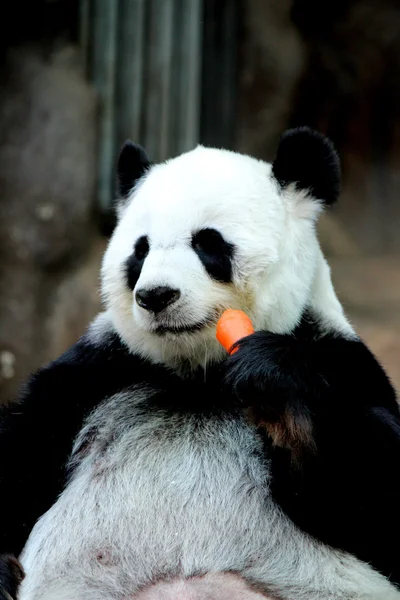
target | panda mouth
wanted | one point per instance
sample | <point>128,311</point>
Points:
<point>179,329</point>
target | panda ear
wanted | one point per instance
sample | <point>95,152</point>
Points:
<point>133,162</point>
<point>309,160</point>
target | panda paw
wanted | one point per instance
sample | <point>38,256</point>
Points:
<point>11,575</point>
<point>270,375</point>
<point>267,368</point>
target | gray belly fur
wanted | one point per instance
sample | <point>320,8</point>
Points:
<point>154,496</point>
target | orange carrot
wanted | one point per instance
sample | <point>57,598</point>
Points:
<point>233,326</point>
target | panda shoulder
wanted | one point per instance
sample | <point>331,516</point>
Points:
<point>97,366</point>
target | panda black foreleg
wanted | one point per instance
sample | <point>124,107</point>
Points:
<point>271,375</point>
<point>11,575</point>
<point>331,424</point>
<point>37,435</point>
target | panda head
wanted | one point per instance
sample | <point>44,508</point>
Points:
<point>211,230</point>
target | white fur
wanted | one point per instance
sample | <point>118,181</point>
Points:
<point>160,496</point>
<point>278,267</point>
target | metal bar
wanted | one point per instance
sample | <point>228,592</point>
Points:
<point>229,70</point>
<point>158,77</point>
<point>209,132</point>
<point>84,33</point>
<point>103,68</point>
<point>131,62</point>
<point>176,73</point>
<point>187,75</point>
<point>218,98</point>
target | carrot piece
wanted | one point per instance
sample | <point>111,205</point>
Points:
<point>232,326</point>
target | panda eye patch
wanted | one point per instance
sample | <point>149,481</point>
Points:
<point>142,248</point>
<point>134,263</point>
<point>208,240</point>
<point>215,253</point>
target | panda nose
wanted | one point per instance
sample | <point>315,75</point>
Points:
<point>157,298</point>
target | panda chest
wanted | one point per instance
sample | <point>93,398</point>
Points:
<point>174,493</point>
<point>160,472</point>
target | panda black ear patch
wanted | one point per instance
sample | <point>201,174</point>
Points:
<point>308,159</point>
<point>133,162</point>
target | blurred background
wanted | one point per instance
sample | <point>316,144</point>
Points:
<point>79,77</point>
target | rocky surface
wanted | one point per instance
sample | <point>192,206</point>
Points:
<point>47,185</point>
<point>369,289</point>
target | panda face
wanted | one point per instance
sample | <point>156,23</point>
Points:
<point>201,233</point>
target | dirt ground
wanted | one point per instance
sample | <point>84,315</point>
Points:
<point>369,289</point>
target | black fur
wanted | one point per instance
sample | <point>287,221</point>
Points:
<point>133,163</point>
<point>330,396</point>
<point>215,253</point>
<point>308,159</point>
<point>11,575</point>
<point>324,407</point>
<point>134,263</point>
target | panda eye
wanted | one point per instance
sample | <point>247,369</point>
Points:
<point>142,248</point>
<point>209,241</point>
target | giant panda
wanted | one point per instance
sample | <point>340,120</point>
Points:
<point>146,463</point>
